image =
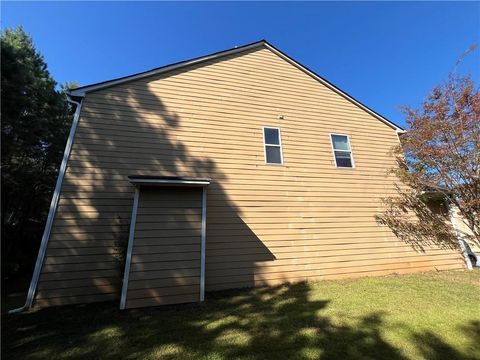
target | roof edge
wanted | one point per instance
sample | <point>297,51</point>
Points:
<point>81,91</point>
<point>328,84</point>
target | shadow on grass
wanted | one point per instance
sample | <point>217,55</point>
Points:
<point>433,347</point>
<point>268,323</point>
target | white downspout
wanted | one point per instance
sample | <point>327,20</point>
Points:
<point>463,249</point>
<point>51,214</point>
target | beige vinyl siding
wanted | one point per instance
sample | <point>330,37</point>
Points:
<point>164,270</point>
<point>266,224</point>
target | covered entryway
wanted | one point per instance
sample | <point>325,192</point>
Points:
<point>165,260</point>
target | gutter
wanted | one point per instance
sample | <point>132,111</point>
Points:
<point>51,214</point>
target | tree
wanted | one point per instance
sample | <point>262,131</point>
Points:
<point>438,161</point>
<point>35,125</point>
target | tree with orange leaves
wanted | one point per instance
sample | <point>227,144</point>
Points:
<point>439,157</point>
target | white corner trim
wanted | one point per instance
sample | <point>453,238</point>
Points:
<point>128,259</point>
<point>203,244</point>
<point>51,213</point>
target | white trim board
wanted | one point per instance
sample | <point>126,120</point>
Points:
<point>128,258</point>
<point>81,91</point>
<point>203,244</point>
<point>164,182</point>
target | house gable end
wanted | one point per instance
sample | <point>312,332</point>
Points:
<point>221,56</point>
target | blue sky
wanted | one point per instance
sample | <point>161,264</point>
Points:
<point>385,54</point>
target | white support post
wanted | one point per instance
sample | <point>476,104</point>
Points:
<point>203,244</point>
<point>128,259</point>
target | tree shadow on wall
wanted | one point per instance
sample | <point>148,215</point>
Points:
<point>129,130</point>
<point>419,221</point>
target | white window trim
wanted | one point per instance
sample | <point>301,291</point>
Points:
<point>279,145</point>
<point>333,151</point>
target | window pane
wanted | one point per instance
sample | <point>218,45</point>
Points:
<point>340,142</point>
<point>273,154</point>
<point>343,159</point>
<point>272,136</point>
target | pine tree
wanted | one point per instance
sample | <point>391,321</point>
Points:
<point>35,124</point>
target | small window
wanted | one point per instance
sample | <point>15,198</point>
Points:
<point>342,151</point>
<point>273,145</point>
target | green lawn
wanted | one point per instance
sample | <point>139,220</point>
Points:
<point>424,316</point>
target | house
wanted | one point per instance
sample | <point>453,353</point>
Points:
<point>237,169</point>
<point>469,247</point>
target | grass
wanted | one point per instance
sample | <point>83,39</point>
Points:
<point>422,316</point>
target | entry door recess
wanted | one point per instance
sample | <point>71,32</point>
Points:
<point>164,262</point>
